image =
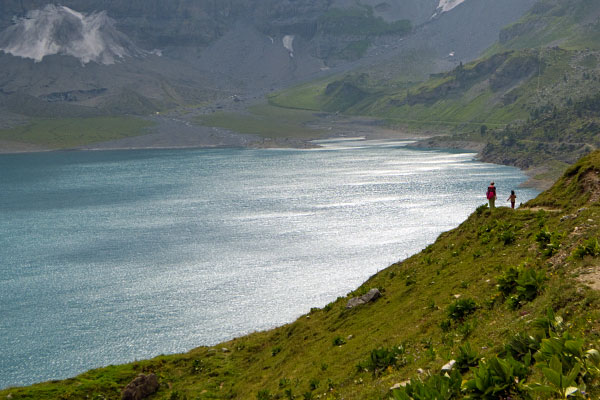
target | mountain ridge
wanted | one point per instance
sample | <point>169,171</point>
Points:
<point>208,52</point>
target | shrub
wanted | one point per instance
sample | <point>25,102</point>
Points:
<point>507,282</point>
<point>382,359</point>
<point>461,308</point>
<point>543,237</point>
<point>284,382</point>
<point>569,351</point>
<point>467,357</point>
<point>589,247</point>
<point>289,394</point>
<point>564,386</point>
<point>566,366</point>
<point>508,236</point>
<point>498,378</point>
<point>520,285</point>
<point>440,387</point>
<point>275,350</point>
<point>197,366</point>
<point>521,345</point>
<point>338,341</point>
<point>264,394</point>
<point>549,242</point>
<point>530,283</point>
<point>549,324</point>
<point>445,325</point>
<point>479,210</point>
<point>466,328</point>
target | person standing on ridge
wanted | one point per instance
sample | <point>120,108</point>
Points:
<point>491,195</point>
<point>512,198</point>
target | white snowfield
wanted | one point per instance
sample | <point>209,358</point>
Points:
<point>446,5</point>
<point>288,43</point>
<point>61,30</point>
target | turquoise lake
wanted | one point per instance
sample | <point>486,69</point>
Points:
<point>108,257</point>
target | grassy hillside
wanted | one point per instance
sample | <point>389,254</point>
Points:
<point>72,132</point>
<point>572,25</point>
<point>501,89</point>
<point>266,121</point>
<point>510,295</point>
<point>547,62</point>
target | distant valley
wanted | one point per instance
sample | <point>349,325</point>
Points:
<point>180,60</point>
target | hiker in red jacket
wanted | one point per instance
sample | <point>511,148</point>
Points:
<point>491,195</point>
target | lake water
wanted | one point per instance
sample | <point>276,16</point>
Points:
<point>107,257</point>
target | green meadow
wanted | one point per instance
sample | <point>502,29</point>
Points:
<point>66,133</point>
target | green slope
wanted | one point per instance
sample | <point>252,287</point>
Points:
<point>501,89</point>
<point>66,133</point>
<point>572,24</point>
<point>520,99</point>
<point>490,283</point>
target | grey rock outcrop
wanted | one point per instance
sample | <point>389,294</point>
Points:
<point>371,295</point>
<point>140,388</point>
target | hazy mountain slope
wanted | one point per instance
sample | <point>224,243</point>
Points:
<point>113,57</point>
<point>538,91</point>
<point>502,285</point>
<point>573,24</point>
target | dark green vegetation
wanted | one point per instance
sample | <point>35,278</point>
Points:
<point>72,132</point>
<point>503,295</point>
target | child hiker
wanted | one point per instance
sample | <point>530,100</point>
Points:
<point>512,198</point>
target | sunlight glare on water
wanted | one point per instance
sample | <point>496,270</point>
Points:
<point>113,256</point>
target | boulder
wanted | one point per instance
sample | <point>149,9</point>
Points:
<point>371,295</point>
<point>140,388</point>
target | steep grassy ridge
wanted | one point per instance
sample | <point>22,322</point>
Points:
<point>572,25</point>
<point>498,278</point>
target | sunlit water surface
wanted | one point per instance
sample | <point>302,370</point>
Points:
<point>108,257</point>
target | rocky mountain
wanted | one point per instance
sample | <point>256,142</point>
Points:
<point>88,57</point>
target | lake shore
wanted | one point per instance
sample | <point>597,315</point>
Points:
<point>179,130</point>
<point>173,131</point>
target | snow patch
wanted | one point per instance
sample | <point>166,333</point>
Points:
<point>288,43</point>
<point>61,30</point>
<point>446,5</point>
